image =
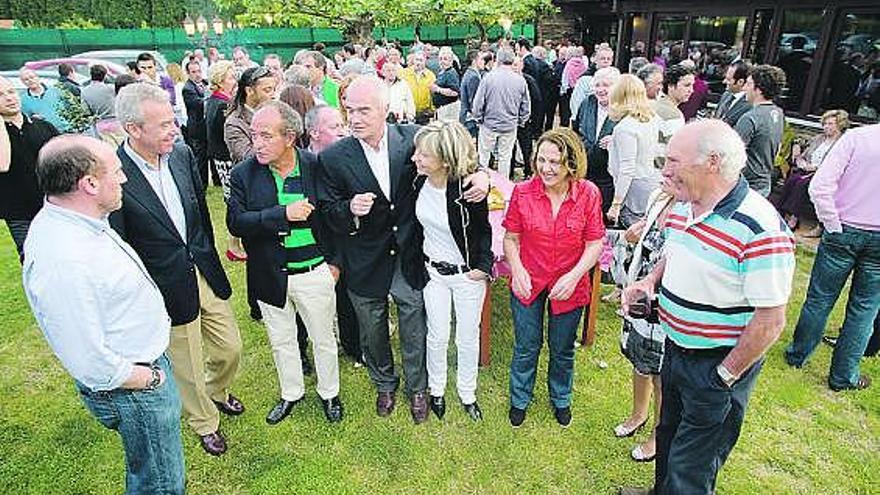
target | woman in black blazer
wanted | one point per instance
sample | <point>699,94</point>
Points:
<point>456,239</point>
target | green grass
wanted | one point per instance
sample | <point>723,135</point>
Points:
<point>798,438</point>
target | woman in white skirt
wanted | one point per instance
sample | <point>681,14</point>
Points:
<point>457,243</point>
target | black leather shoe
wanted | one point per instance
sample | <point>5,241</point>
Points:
<point>231,407</point>
<point>213,443</point>
<point>280,411</point>
<point>438,405</point>
<point>516,416</point>
<point>563,416</point>
<point>384,403</point>
<point>332,409</point>
<point>473,411</point>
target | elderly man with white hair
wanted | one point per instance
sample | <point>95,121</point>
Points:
<point>594,126</point>
<point>603,57</point>
<point>165,218</point>
<point>366,196</point>
<point>722,285</point>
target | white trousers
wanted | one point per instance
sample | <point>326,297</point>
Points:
<point>499,144</point>
<point>313,295</point>
<point>467,296</point>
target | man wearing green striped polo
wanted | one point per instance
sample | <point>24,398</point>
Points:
<point>271,207</point>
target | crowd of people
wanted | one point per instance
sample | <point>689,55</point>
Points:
<point>359,179</point>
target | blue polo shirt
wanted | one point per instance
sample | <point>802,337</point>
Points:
<point>722,265</point>
<point>48,106</point>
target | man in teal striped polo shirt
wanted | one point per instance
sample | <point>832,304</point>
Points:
<point>722,285</point>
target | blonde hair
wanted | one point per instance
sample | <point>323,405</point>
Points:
<point>841,119</point>
<point>217,73</point>
<point>451,143</point>
<point>629,99</point>
<point>175,72</point>
<point>571,150</point>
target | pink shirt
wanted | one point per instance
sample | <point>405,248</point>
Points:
<point>846,188</point>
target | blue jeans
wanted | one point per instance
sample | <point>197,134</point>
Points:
<point>149,423</point>
<point>528,331</point>
<point>853,251</point>
<point>700,421</point>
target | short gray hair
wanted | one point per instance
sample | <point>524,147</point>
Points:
<point>299,75</point>
<point>130,100</point>
<point>313,116</point>
<point>608,73</point>
<point>637,63</point>
<point>647,70</point>
<point>720,139</point>
<point>504,56</point>
<point>292,120</point>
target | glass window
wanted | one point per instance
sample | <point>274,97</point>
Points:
<point>714,43</point>
<point>760,36</point>
<point>854,84</point>
<point>640,35</point>
<point>796,48</point>
<point>669,45</point>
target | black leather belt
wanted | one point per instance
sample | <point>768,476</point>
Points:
<point>444,268</point>
<point>303,269</point>
<point>713,352</point>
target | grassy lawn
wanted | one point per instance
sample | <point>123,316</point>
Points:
<point>798,438</point>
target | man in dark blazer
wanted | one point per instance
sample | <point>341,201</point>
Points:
<point>290,268</point>
<point>595,127</point>
<point>196,130</point>
<point>165,218</point>
<point>733,104</point>
<point>367,195</point>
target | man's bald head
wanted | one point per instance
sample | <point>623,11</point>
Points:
<point>366,102</point>
<point>703,157</point>
<point>10,103</point>
<point>66,159</point>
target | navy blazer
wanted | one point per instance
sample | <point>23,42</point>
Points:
<point>144,223</point>
<point>597,158</point>
<point>389,230</point>
<point>253,213</point>
<point>731,114</point>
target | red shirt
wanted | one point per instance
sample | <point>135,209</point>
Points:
<point>550,248</point>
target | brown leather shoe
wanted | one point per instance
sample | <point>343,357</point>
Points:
<point>214,443</point>
<point>232,406</point>
<point>384,403</point>
<point>419,408</point>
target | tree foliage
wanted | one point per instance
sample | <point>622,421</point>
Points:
<point>357,18</point>
<point>92,13</point>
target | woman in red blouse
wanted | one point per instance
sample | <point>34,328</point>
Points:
<point>554,236</point>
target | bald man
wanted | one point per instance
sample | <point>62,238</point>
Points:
<point>112,342</point>
<point>21,138</point>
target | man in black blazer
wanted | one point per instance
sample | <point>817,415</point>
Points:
<point>733,103</point>
<point>196,130</point>
<point>367,195</point>
<point>290,268</point>
<point>165,218</point>
<point>595,127</point>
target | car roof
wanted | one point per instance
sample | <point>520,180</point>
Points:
<point>125,53</point>
<point>112,67</point>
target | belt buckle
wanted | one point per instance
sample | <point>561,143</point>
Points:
<point>444,268</point>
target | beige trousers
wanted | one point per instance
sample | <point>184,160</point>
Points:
<point>205,354</point>
<point>312,295</point>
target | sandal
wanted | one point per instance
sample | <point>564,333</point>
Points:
<point>638,455</point>
<point>621,431</point>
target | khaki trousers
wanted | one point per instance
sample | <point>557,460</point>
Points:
<point>312,295</point>
<point>205,354</point>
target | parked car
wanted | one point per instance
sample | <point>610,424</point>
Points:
<point>49,77</point>
<point>80,67</point>
<point>122,57</point>
<point>810,40</point>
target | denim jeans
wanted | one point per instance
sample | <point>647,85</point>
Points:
<point>149,423</point>
<point>700,421</point>
<point>853,251</point>
<point>528,331</point>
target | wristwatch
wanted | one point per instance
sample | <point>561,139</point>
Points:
<point>155,378</point>
<point>725,375</point>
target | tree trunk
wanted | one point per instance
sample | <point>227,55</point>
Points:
<point>482,29</point>
<point>359,30</point>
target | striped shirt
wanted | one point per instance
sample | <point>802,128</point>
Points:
<point>302,249</point>
<point>722,265</point>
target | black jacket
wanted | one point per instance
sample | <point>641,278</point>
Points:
<point>194,100</point>
<point>585,125</point>
<point>469,225</point>
<point>731,114</point>
<point>390,229</point>
<point>253,213</point>
<point>144,223</point>
<point>215,119</point>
